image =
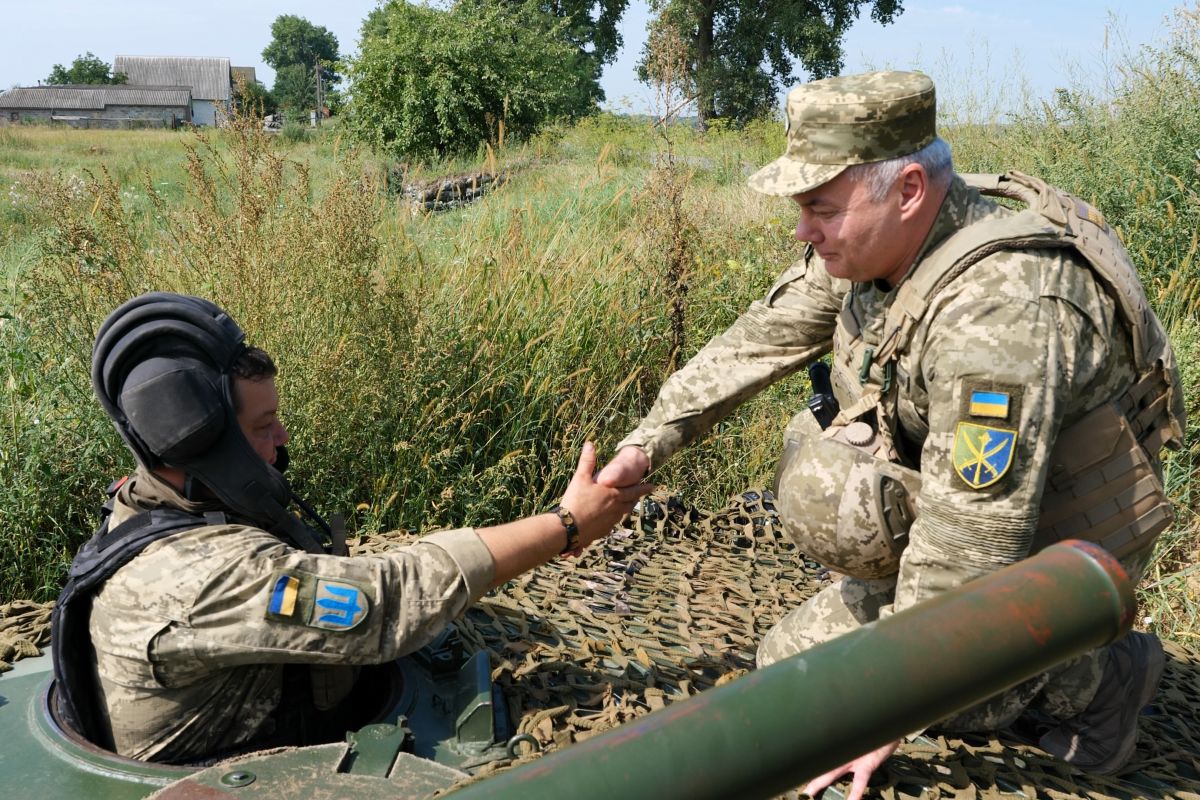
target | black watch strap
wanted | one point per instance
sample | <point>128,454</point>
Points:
<point>568,522</point>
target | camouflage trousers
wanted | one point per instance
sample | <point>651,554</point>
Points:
<point>1061,692</point>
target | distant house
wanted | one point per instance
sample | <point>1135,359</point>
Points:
<point>98,106</point>
<point>244,74</point>
<point>208,78</point>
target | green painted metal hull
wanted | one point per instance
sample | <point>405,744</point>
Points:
<point>777,727</point>
<point>38,763</point>
<point>440,715</point>
<point>754,737</point>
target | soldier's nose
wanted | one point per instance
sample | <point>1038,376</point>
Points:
<point>806,232</point>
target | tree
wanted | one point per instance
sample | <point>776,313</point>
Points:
<point>295,88</point>
<point>591,26</point>
<point>429,81</point>
<point>85,69</point>
<point>253,98</point>
<point>297,47</point>
<point>741,51</point>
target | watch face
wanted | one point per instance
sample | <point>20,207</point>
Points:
<point>568,522</point>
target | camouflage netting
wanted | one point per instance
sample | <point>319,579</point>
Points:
<point>24,630</point>
<point>676,602</point>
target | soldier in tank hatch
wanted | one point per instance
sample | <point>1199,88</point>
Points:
<point>205,617</point>
<point>1002,383</point>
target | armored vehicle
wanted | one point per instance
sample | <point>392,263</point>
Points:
<point>628,704</point>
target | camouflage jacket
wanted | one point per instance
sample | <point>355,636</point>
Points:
<point>1036,324</point>
<point>192,635</point>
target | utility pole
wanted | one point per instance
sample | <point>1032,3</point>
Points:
<point>320,92</point>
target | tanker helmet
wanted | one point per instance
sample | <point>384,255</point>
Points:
<point>162,370</point>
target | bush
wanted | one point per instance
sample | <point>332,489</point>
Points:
<point>296,132</point>
<point>429,82</point>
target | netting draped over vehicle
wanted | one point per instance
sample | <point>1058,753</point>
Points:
<point>675,602</point>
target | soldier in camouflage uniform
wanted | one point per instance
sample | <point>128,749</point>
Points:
<point>976,355</point>
<point>193,635</point>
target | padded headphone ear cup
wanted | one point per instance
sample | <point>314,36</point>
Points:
<point>175,407</point>
<point>165,325</point>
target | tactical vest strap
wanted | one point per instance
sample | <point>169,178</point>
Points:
<point>1054,220</point>
<point>1146,405</point>
<point>1094,239</point>
<point>948,261</point>
<point>77,690</point>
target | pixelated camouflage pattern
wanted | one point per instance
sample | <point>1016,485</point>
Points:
<point>676,601</point>
<point>851,119</point>
<point>190,666</point>
<point>850,603</point>
<point>1037,319</point>
<point>846,534</point>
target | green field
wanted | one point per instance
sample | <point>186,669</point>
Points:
<point>443,369</point>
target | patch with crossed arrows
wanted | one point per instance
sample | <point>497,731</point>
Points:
<point>982,454</point>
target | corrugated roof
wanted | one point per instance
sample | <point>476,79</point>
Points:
<point>208,77</point>
<point>246,73</point>
<point>65,98</point>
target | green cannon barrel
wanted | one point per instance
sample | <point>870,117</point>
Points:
<point>780,726</point>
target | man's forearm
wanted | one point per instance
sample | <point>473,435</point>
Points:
<point>728,371</point>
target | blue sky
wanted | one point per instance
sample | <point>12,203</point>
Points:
<point>997,49</point>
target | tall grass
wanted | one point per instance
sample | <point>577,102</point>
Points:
<point>443,369</point>
<point>436,370</point>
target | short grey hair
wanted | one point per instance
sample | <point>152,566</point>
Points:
<point>880,176</point>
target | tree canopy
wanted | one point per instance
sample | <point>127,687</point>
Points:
<point>295,40</point>
<point>740,52</point>
<point>87,68</point>
<point>591,26</point>
<point>430,81</point>
<point>297,47</point>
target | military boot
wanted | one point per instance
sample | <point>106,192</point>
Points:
<point>1101,738</point>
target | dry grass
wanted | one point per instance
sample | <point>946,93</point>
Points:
<point>443,369</point>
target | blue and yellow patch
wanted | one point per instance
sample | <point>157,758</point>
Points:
<point>1089,212</point>
<point>339,606</point>
<point>283,596</point>
<point>988,404</point>
<point>982,454</point>
<point>301,598</point>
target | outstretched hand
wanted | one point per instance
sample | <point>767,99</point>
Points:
<point>627,467</point>
<point>598,506</point>
<point>861,768</point>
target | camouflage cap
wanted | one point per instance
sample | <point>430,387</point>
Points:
<point>852,119</point>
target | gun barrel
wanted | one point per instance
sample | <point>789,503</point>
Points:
<point>777,727</point>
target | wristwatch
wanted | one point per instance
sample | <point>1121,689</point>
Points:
<point>568,521</point>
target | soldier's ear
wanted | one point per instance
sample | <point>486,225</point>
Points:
<point>912,190</point>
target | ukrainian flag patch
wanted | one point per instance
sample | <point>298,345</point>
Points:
<point>982,454</point>
<point>289,597</point>
<point>988,404</point>
<point>283,596</point>
<point>301,598</point>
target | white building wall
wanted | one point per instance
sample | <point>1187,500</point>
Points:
<point>204,112</point>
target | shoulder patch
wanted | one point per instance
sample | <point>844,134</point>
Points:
<point>982,454</point>
<point>284,592</point>
<point>988,404</point>
<point>299,598</point>
<point>339,606</point>
<point>991,403</point>
<point>1089,212</point>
